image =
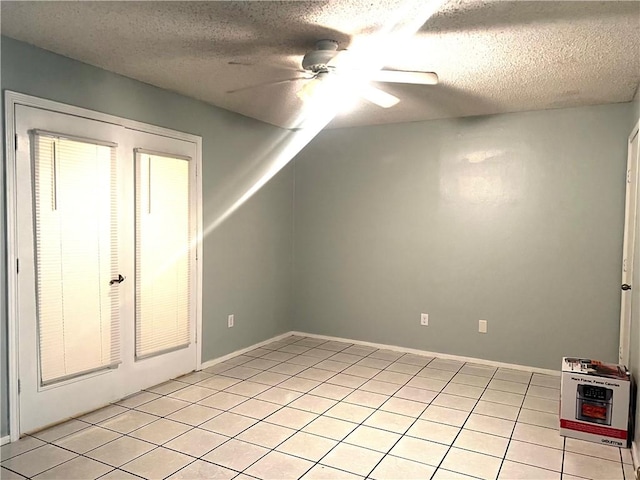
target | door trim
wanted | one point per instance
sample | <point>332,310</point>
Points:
<point>12,99</point>
<point>633,165</point>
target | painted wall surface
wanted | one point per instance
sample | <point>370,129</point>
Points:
<point>516,219</point>
<point>247,260</point>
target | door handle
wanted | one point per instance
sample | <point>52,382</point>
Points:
<point>626,286</point>
<point>120,279</point>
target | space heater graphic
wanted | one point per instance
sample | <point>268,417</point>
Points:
<point>594,404</point>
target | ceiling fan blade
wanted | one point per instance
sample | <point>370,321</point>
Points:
<point>276,82</point>
<point>377,96</point>
<point>342,57</point>
<point>264,65</point>
<point>404,76</point>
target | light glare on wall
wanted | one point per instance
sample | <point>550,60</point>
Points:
<point>483,177</point>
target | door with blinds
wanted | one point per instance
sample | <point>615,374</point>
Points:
<point>106,237</point>
<point>164,233</point>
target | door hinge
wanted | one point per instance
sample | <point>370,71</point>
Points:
<point>629,176</point>
<point>15,145</point>
<point>624,265</point>
<point>17,265</point>
<point>19,386</point>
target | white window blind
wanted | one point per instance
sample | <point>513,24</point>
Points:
<point>76,256</point>
<point>163,246</point>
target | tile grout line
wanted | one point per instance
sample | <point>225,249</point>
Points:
<point>465,422</point>
<point>78,455</point>
<point>387,368</point>
<point>158,445</point>
<point>377,409</point>
<point>283,406</point>
<point>338,401</point>
<point>564,450</point>
<point>338,442</point>
<point>514,428</point>
<point>416,419</point>
<point>263,419</point>
<point>155,446</point>
<point>390,396</point>
<point>125,434</point>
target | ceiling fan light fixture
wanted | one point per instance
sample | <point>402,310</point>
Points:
<point>327,92</point>
<point>378,97</point>
<point>313,88</point>
<point>316,60</point>
<point>403,76</point>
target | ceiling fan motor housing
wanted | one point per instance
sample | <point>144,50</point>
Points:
<point>317,60</point>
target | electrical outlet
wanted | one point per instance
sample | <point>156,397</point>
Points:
<point>230,321</point>
<point>482,326</point>
<point>424,319</point>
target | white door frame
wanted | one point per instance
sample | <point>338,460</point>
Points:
<point>630,228</point>
<point>12,99</point>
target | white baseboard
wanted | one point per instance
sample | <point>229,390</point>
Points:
<point>5,440</point>
<point>211,363</point>
<point>635,454</point>
<point>478,361</point>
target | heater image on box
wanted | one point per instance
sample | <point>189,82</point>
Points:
<point>594,404</point>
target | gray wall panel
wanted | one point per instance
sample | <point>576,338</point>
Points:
<point>516,219</point>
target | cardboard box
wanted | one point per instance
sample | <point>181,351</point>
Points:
<point>594,402</point>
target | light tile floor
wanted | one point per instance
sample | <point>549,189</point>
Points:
<point>314,409</point>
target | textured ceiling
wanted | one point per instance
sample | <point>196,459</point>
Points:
<point>491,56</point>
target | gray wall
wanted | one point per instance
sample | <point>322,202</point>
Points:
<point>516,219</point>
<point>247,260</point>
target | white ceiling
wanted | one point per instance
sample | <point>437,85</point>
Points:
<point>491,56</point>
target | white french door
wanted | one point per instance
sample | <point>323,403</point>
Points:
<point>162,255</point>
<point>630,252</point>
<point>106,237</point>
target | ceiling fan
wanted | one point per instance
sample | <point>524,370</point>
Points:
<point>326,62</point>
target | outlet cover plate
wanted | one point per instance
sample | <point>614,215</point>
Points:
<point>424,319</point>
<point>482,326</point>
<point>230,320</point>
